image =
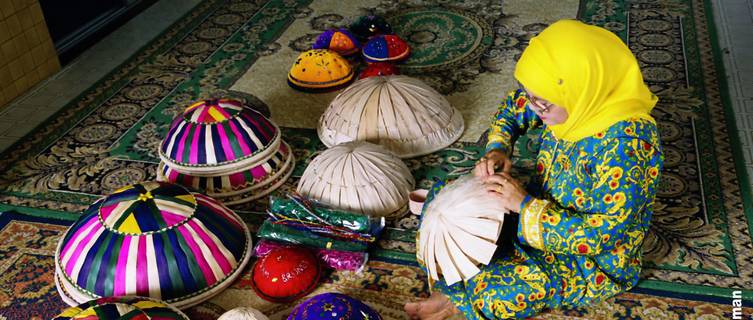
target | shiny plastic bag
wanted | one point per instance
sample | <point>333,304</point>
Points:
<point>335,259</point>
<point>298,209</point>
<point>275,231</point>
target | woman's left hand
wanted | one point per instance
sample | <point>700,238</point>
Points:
<point>508,189</point>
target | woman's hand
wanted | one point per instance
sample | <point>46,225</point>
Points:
<point>508,189</point>
<point>492,160</point>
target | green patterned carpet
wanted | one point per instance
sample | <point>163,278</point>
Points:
<point>700,244</point>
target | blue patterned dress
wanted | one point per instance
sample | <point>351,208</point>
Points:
<point>579,237</point>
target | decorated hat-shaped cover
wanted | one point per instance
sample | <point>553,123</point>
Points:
<point>360,177</point>
<point>286,274</point>
<point>319,70</point>
<point>400,113</point>
<point>333,306</point>
<point>378,69</point>
<point>368,26</point>
<point>337,40</point>
<point>122,308</point>
<point>227,150</point>
<point>386,48</point>
<point>153,239</point>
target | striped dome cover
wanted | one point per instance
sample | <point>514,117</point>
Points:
<point>215,133</point>
<point>258,180</point>
<point>152,239</point>
<point>122,308</point>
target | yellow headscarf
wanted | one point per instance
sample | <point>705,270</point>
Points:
<point>588,71</point>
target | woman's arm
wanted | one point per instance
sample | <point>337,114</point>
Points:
<point>626,181</point>
<point>512,119</point>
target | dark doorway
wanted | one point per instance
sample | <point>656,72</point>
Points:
<point>75,25</point>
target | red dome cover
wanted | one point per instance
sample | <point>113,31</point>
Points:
<point>286,274</point>
<point>378,69</point>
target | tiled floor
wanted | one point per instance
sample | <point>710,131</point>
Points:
<point>28,111</point>
<point>734,20</point>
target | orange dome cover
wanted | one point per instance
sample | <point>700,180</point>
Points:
<point>319,69</point>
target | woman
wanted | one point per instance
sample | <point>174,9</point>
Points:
<point>579,236</point>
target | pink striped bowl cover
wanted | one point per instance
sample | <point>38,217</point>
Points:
<point>231,152</point>
<point>152,239</point>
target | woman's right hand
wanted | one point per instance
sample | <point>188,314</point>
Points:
<point>489,163</point>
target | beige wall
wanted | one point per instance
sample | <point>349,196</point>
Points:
<point>27,55</point>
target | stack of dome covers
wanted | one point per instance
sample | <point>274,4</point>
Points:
<point>157,240</point>
<point>231,152</point>
<point>320,70</point>
<point>129,307</point>
<point>400,113</point>
<point>360,177</point>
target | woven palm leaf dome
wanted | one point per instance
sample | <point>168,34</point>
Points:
<point>230,152</point>
<point>320,70</point>
<point>398,112</point>
<point>128,307</point>
<point>153,239</point>
<point>360,177</point>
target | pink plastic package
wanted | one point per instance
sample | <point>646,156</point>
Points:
<point>335,259</point>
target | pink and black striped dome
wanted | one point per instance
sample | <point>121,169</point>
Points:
<point>217,132</point>
<point>153,239</point>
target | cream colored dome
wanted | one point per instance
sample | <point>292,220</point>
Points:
<point>360,177</point>
<point>243,313</point>
<point>400,113</point>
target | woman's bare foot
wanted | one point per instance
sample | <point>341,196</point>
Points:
<point>437,307</point>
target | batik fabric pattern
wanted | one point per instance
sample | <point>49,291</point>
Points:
<point>579,236</point>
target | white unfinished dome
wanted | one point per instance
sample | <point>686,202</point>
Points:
<point>360,177</point>
<point>400,113</point>
<point>460,229</point>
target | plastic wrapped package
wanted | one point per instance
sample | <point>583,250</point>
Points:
<point>296,207</point>
<point>323,230</point>
<point>335,259</point>
<point>279,232</point>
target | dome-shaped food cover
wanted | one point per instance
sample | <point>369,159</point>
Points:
<point>378,69</point>
<point>368,26</point>
<point>286,274</point>
<point>400,113</point>
<point>230,152</point>
<point>386,48</point>
<point>152,239</point>
<point>319,70</point>
<point>333,306</point>
<point>243,313</point>
<point>116,308</point>
<point>359,177</point>
<point>338,40</point>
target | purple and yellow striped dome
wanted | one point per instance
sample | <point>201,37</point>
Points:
<point>213,133</point>
<point>153,239</point>
<point>122,308</point>
<point>226,150</point>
